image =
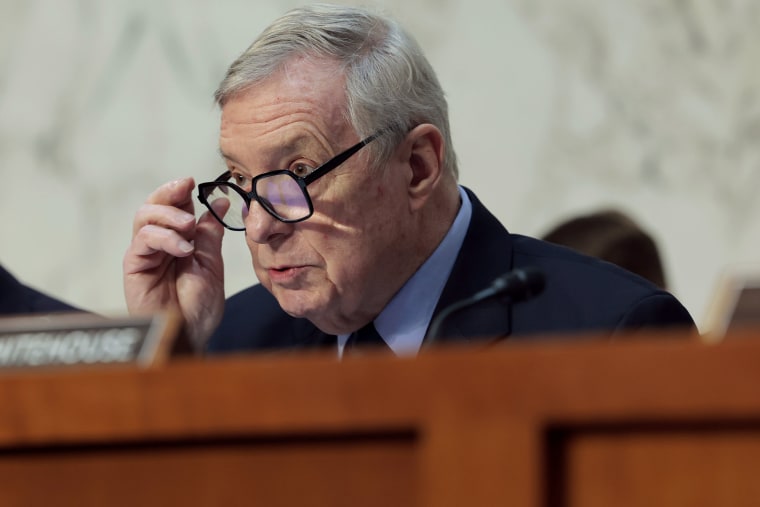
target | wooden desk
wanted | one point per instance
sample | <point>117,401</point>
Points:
<point>657,421</point>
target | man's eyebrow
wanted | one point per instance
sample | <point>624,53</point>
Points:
<point>229,158</point>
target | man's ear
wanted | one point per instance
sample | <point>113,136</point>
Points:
<point>424,155</point>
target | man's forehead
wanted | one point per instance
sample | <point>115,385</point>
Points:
<point>283,144</point>
<point>275,103</point>
<point>302,106</point>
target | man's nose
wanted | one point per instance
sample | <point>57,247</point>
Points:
<point>261,227</point>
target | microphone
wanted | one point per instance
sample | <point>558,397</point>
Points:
<point>517,285</point>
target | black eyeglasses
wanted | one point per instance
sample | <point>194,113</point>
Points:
<point>282,193</point>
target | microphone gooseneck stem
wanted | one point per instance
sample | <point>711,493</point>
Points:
<point>435,326</point>
<point>517,285</point>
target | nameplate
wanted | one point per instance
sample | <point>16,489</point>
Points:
<point>73,339</point>
<point>735,304</point>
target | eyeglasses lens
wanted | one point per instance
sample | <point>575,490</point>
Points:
<point>228,206</point>
<point>284,197</point>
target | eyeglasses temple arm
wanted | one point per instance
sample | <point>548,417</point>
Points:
<point>335,162</point>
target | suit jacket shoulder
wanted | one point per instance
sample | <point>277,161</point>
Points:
<point>587,294</point>
<point>17,298</point>
<point>582,294</point>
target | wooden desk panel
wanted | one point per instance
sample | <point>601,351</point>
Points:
<point>367,470</point>
<point>677,465</point>
<point>562,424</point>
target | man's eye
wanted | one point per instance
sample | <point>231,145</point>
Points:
<point>302,169</point>
<point>240,180</point>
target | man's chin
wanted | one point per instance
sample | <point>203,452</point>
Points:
<point>319,316</point>
<point>298,304</point>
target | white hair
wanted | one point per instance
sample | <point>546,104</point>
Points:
<point>389,82</point>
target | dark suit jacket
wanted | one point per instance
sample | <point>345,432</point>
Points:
<point>582,294</point>
<point>17,298</point>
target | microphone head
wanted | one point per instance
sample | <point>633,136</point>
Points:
<point>520,284</point>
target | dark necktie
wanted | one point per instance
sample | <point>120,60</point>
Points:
<point>365,338</point>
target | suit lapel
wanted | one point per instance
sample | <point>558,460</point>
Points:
<point>486,253</point>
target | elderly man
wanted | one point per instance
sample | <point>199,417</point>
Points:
<point>341,172</point>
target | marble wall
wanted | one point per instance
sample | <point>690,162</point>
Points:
<point>558,108</point>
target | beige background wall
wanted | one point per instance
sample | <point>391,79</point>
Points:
<point>557,108</point>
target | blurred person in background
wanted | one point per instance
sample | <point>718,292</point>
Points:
<point>614,237</point>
